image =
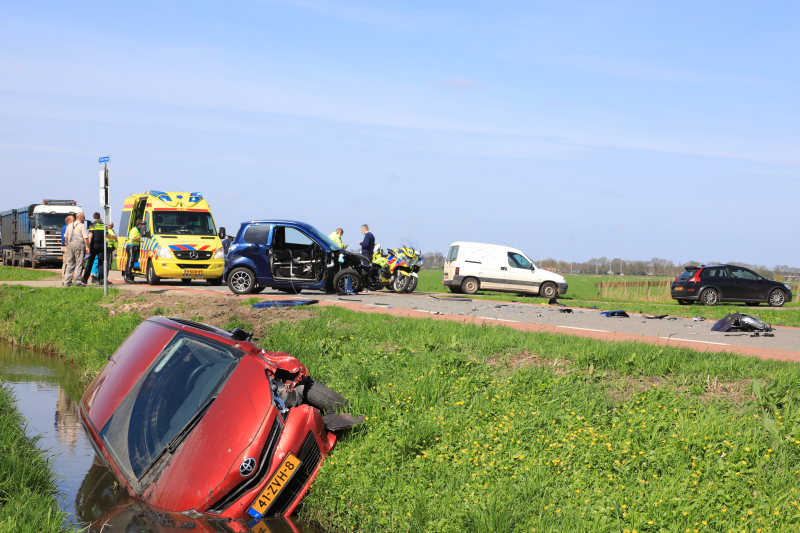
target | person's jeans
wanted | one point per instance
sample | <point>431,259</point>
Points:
<point>93,253</point>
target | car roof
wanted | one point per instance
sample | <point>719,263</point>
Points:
<point>712,266</point>
<point>274,221</point>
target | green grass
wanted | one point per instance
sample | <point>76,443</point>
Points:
<point>452,444</point>
<point>8,273</point>
<point>64,321</point>
<point>431,281</point>
<point>593,436</point>
<point>28,495</point>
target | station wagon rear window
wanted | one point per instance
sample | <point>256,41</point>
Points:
<point>167,401</point>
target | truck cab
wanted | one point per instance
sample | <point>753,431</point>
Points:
<point>179,239</point>
<point>31,236</point>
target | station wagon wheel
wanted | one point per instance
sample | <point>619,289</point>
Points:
<point>470,286</point>
<point>548,290</point>
<point>241,280</point>
<point>777,298</point>
<point>709,297</point>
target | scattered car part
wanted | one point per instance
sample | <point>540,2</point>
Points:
<point>283,303</point>
<point>621,314</point>
<point>657,316</point>
<point>566,310</point>
<point>740,322</point>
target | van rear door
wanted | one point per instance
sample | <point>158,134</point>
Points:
<point>450,262</point>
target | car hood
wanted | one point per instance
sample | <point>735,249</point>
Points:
<point>551,276</point>
<point>205,466</point>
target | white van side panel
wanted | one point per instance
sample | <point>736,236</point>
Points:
<point>485,264</point>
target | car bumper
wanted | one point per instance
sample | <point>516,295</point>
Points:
<point>178,270</point>
<point>684,295</point>
<point>562,288</point>
<point>455,282</point>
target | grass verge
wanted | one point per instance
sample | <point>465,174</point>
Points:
<point>8,273</point>
<point>28,494</point>
<point>486,428</point>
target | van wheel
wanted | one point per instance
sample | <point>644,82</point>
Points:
<point>470,286</point>
<point>241,281</point>
<point>548,290</point>
<point>152,279</point>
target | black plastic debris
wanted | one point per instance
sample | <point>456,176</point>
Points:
<point>340,422</point>
<point>621,314</point>
<point>283,303</point>
<point>162,291</point>
<point>352,300</point>
<point>567,310</point>
<point>657,316</point>
<point>741,322</point>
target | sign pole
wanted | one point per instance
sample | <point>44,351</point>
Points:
<point>104,205</point>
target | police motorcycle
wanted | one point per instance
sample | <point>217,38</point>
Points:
<point>399,267</point>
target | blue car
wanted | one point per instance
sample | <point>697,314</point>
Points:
<point>292,256</point>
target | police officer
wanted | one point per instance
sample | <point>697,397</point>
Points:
<point>132,249</point>
<point>111,237</point>
<point>96,245</point>
<point>336,237</point>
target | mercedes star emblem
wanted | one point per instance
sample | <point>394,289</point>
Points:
<point>193,255</point>
<point>247,467</point>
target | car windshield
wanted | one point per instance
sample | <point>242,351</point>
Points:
<point>52,221</point>
<point>167,400</point>
<point>168,222</point>
<point>322,237</point>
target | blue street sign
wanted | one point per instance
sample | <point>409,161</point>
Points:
<point>104,159</point>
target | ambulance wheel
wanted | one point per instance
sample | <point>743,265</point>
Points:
<point>152,279</point>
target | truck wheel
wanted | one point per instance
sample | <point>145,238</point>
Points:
<point>152,279</point>
<point>548,290</point>
<point>470,286</point>
<point>241,280</point>
<point>339,280</point>
<point>324,398</point>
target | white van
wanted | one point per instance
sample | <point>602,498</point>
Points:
<point>471,266</point>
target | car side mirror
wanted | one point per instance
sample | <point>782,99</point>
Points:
<point>222,233</point>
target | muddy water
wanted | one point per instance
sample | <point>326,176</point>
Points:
<point>48,394</point>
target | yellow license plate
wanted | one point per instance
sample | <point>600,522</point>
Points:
<point>678,288</point>
<point>275,486</point>
<point>193,273</point>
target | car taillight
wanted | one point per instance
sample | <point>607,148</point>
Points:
<point>457,270</point>
<point>696,277</point>
<point>676,280</point>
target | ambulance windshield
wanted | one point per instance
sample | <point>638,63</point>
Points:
<point>168,222</point>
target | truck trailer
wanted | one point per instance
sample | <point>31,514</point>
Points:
<point>31,236</point>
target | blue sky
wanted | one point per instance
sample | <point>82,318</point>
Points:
<point>666,122</point>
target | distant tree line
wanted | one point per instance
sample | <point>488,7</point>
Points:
<point>655,267</point>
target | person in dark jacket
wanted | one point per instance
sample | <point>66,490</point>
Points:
<point>368,244</point>
<point>96,247</point>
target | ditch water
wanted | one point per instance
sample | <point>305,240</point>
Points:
<point>48,393</point>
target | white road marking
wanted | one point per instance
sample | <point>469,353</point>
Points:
<point>690,340</point>
<point>584,329</point>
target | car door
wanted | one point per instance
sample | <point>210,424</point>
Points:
<point>257,237</point>
<point>520,274</point>
<point>486,264</point>
<point>717,278</point>
<point>294,256</point>
<point>747,284</point>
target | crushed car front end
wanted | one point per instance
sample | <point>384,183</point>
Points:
<point>192,419</point>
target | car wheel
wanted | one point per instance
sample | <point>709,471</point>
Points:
<point>777,298</point>
<point>470,286</point>
<point>152,279</point>
<point>548,290</point>
<point>709,297</point>
<point>324,398</point>
<point>456,290</point>
<point>216,282</point>
<point>186,281</point>
<point>341,276</point>
<point>241,281</point>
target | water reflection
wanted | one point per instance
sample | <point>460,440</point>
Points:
<point>48,394</point>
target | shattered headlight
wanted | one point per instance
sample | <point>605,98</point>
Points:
<point>219,254</point>
<point>787,287</point>
<point>164,252</point>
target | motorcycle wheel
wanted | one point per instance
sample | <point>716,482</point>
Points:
<point>401,283</point>
<point>413,284</point>
<point>324,398</point>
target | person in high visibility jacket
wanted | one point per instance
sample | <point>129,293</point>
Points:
<point>132,249</point>
<point>336,237</point>
<point>112,243</point>
<point>96,231</point>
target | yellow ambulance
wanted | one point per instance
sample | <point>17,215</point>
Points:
<point>179,239</point>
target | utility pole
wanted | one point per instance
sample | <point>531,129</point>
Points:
<point>104,205</point>
<point>541,243</point>
<point>459,233</point>
<point>572,256</point>
<point>470,228</point>
<point>517,237</point>
<point>621,240</point>
<point>611,255</point>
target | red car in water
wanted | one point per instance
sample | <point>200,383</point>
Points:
<point>199,420</point>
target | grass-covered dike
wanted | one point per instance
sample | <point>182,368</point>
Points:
<point>485,428</point>
<point>28,495</point>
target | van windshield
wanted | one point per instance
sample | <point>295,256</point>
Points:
<point>169,222</point>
